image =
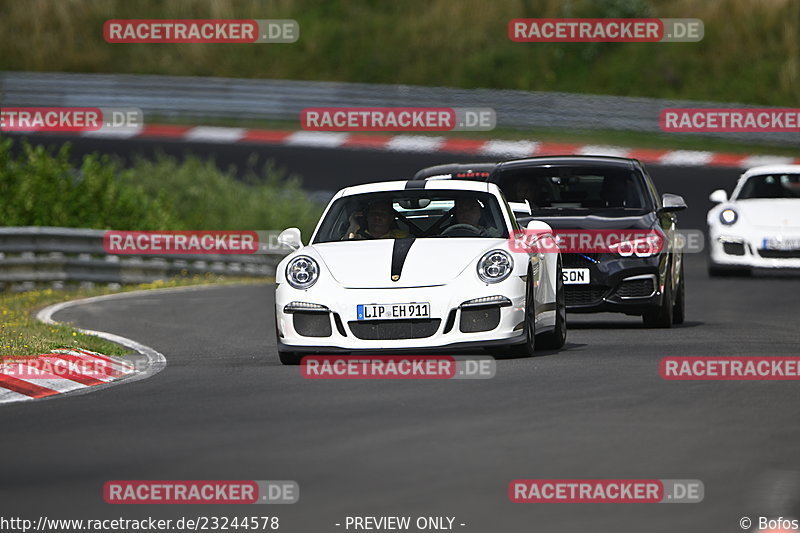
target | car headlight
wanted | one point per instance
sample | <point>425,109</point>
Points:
<point>495,266</point>
<point>302,272</point>
<point>638,247</point>
<point>728,217</point>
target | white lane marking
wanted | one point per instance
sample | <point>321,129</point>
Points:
<point>324,139</point>
<point>215,134</point>
<point>415,143</point>
<point>510,148</point>
<point>155,361</point>
<point>686,158</point>
<point>120,132</point>
<point>758,160</point>
<point>113,367</point>
<point>112,361</point>
<point>599,149</point>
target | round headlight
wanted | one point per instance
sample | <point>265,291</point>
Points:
<point>302,272</point>
<point>624,248</point>
<point>495,266</point>
<point>728,217</point>
<point>642,247</point>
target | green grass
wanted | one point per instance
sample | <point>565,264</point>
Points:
<point>22,335</point>
<point>750,52</point>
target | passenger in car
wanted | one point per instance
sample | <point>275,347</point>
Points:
<point>380,223</point>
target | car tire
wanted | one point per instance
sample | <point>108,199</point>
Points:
<point>679,309</point>
<point>527,348</point>
<point>555,339</point>
<point>661,316</point>
<point>290,358</point>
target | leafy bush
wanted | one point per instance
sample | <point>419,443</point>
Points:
<point>40,188</point>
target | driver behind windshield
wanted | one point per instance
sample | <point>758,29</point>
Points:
<point>468,211</point>
<point>538,191</point>
<point>380,223</point>
<point>524,189</point>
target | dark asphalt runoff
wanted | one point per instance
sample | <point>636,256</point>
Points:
<point>224,408</point>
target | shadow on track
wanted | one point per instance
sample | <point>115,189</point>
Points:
<point>626,325</point>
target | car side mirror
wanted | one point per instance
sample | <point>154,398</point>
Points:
<point>538,225</point>
<point>536,229</point>
<point>672,202</point>
<point>718,197</point>
<point>290,238</point>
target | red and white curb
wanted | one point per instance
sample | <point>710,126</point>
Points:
<point>501,149</point>
<point>58,372</point>
<point>76,371</point>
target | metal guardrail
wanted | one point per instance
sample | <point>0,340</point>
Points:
<point>195,97</point>
<point>34,257</point>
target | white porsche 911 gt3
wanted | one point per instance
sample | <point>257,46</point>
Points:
<point>759,226</point>
<point>418,266</point>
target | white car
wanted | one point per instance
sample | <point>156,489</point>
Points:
<point>759,226</point>
<point>441,275</point>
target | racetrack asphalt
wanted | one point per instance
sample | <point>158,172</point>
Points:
<point>224,408</point>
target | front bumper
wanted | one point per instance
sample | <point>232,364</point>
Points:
<point>746,250</point>
<point>617,285</point>
<point>336,329</point>
<point>447,348</point>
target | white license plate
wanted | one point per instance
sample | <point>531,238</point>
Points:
<point>783,244</point>
<point>575,276</point>
<point>393,311</point>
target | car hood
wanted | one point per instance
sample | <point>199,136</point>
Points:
<point>594,222</point>
<point>430,262</point>
<point>770,213</point>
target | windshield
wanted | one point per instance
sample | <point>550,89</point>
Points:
<point>771,186</point>
<point>414,213</point>
<point>565,191</point>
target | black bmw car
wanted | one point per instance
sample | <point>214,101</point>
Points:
<point>596,193</point>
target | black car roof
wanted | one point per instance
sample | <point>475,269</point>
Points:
<point>571,160</point>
